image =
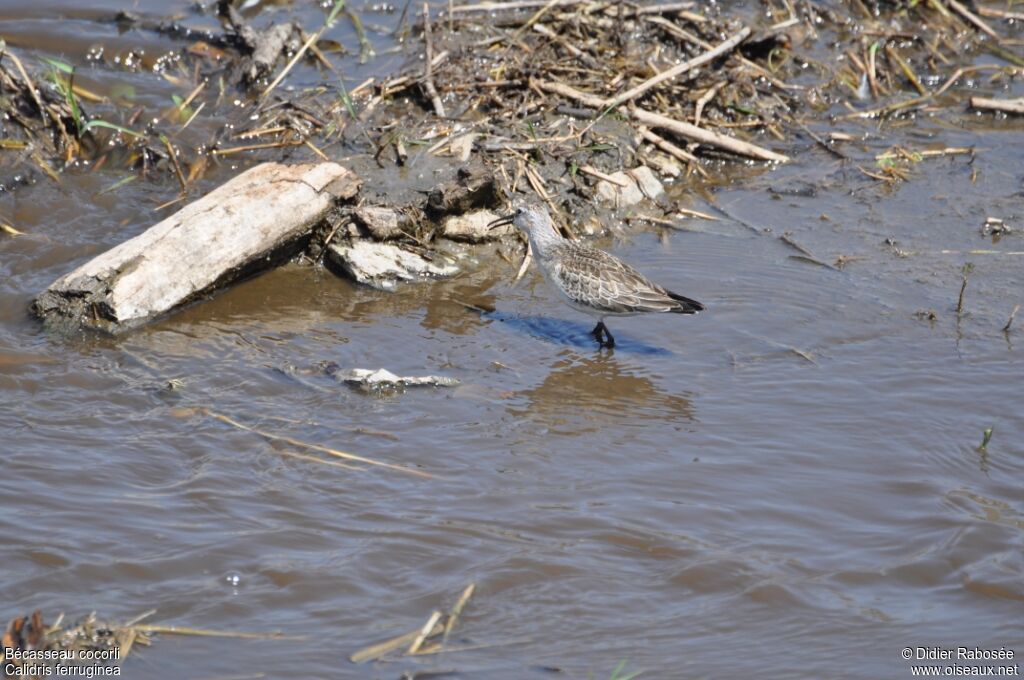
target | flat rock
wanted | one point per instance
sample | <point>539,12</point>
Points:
<point>472,227</point>
<point>640,184</point>
<point>384,265</point>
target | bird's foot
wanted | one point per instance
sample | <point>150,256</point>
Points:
<point>603,337</point>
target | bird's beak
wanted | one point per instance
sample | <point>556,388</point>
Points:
<point>500,222</point>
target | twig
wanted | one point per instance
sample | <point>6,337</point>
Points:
<point>1004,105</point>
<point>927,153</point>
<point>696,213</point>
<point>547,32</point>
<point>534,19</point>
<point>1006,328</point>
<point>425,632</point>
<point>294,60</point>
<point>690,38</point>
<point>964,271</point>
<point>673,150</point>
<point>195,113</point>
<point>43,110</point>
<point>428,68</point>
<point>497,6</point>
<point>204,632</point>
<point>437,649</point>
<point>174,161</point>
<point>365,46</point>
<point>381,648</point>
<point>594,172</point>
<point>1000,13</point>
<point>680,128</point>
<point>192,95</point>
<point>924,99</point>
<point>710,55</point>
<point>456,611</point>
<point>698,109</point>
<point>974,19</point>
<point>871,71</point>
<point>905,67</point>
<point>822,143</point>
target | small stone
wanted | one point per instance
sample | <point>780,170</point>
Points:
<point>382,224</point>
<point>640,184</point>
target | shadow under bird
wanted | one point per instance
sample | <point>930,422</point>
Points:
<point>590,280</point>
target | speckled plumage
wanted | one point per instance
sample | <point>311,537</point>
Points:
<point>591,280</point>
<point>600,284</point>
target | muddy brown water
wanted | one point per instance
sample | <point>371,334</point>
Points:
<point>786,486</point>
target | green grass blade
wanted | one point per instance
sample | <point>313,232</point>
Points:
<point>59,65</point>
<point>104,124</point>
<point>118,184</point>
<point>335,11</point>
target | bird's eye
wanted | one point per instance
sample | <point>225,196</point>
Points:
<point>519,211</point>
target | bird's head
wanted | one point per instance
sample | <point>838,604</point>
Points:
<point>528,219</point>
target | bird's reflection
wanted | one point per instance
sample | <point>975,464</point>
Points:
<point>572,333</point>
<point>583,393</point>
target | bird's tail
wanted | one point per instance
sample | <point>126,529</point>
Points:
<point>686,305</point>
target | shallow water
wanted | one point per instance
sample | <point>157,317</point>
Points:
<point>785,486</point>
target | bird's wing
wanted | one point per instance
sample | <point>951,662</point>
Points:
<point>594,278</point>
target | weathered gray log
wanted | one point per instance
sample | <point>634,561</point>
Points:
<point>259,217</point>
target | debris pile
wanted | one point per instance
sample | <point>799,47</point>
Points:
<point>591,106</point>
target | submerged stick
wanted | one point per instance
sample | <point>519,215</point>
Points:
<point>315,447</point>
<point>964,271</point>
<point>425,632</point>
<point>456,611</point>
<point>205,632</point>
<point>380,649</point>
<point>1006,328</point>
<point>437,649</point>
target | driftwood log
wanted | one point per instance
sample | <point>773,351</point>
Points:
<point>260,217</point>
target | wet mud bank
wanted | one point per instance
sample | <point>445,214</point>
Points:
<point>589,108</point>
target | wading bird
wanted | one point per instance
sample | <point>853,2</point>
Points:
<point>591,280</point>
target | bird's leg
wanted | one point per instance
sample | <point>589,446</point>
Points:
<point>609,340</point>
